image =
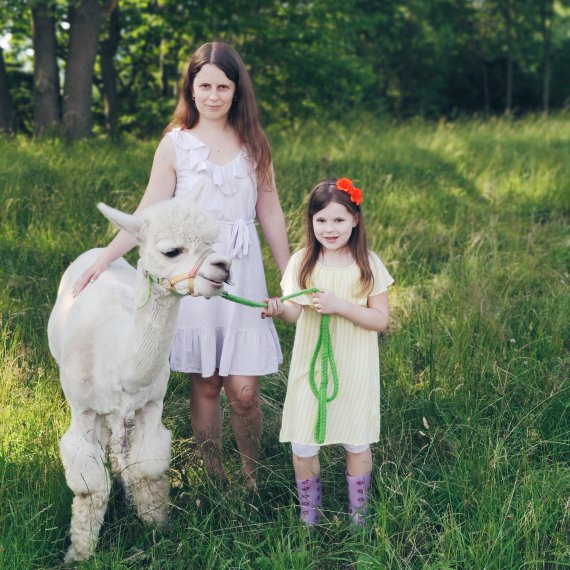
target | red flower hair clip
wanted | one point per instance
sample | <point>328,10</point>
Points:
<point>346,185</point>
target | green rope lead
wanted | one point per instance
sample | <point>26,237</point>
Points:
<point>321,392</point>
<point>242,301</point>
<point>150,279</point>
<point>324,346</point>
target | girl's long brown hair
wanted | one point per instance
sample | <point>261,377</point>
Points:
<point>244,114</point>
<point>323,193</point>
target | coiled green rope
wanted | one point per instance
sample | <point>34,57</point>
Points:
<point>324,346</point>
<point>321,392</point>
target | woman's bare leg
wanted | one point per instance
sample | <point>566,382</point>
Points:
<point>247,421</point>
<point>207,421</point>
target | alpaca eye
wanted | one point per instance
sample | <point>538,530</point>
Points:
<point>175,252</point>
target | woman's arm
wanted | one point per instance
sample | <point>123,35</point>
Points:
<point>161,186</point>
<point>272,222</point>
<point>373,317</point>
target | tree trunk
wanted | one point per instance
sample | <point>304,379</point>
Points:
<point>486,96</point>
<point>165,88</point>
<point>6,111</point>
<point>509,32</point>
<point>108,50</point>
<point>85,22</point>
<point>47,109</point>
<point>546,12</point>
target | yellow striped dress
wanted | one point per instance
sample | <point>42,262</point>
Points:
<point>353,417</point>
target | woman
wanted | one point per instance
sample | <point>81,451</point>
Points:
<point>215,152</point>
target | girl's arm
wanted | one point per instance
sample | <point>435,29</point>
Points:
<point>272,222</point>
<point>373,317</point>
<point>161,186</point>
<point>287,311</point>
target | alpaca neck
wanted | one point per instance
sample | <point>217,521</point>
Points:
<point>151,337</point>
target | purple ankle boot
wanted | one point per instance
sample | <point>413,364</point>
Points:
<point>310,499</point>
<point>357,494</point>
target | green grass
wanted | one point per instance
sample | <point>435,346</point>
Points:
<point>472,470</point>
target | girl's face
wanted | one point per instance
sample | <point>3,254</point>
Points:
<point>333,226</point>
<point>213,92</point>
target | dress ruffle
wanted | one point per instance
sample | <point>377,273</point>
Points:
<point>196,158</point>
<point>196,151</point>
<point>242,352</point>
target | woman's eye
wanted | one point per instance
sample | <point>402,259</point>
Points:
<point>174,252</point>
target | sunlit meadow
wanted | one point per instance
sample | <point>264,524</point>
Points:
<point>472,469</point>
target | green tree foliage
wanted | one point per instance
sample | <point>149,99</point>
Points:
<point>324,58</point>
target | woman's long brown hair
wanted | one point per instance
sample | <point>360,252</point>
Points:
<point>244,114</point>
<point>323,193</point>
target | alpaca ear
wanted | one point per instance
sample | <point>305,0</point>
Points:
<point>131,224</point>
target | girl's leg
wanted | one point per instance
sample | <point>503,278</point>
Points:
<point>308,478</point>
<point>358,477</point>
<point>247,421</point>
<point>207,421</point>
<point>306,467</point>
<point>359,463</point>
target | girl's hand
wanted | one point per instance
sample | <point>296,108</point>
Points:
<point>326,303</point>
<point>90,275</point>
<point>275,307</point>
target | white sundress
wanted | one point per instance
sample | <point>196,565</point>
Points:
<point>217,334</point>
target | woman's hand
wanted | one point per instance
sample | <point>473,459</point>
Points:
<point>275,307</point>
<point>90,275</point>
<point>326,303</point>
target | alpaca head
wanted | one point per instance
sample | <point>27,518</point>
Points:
<point>175,240</point>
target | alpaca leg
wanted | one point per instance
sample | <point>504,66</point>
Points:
<point>149,459</point>
<point>83,458</point>
<point>119,445</point>
<point>87,515</point>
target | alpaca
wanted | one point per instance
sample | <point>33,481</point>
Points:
<point>112,344</point>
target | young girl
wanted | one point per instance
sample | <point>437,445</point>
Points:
<point>215,153</point>
<point>352,283</point>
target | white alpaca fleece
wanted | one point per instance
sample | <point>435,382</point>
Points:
<point>112,343</point>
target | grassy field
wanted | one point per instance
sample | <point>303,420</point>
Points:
<point>472,470</point>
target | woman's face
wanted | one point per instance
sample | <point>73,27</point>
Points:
<point>213,92</point>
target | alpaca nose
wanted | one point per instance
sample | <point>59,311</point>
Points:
<point>224,267</point>
<point>224,264</point>
<point>219,268</point>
